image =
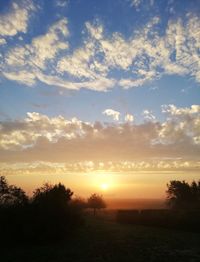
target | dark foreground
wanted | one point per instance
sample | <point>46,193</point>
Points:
<point>104,240</point>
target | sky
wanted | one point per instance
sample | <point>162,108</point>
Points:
<point>100,95</point>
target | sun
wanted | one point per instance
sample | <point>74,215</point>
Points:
<point>104,186</point>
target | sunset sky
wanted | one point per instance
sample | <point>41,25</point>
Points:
<point>102,95</point>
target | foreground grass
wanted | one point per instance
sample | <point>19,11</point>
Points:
<point>103,240</point>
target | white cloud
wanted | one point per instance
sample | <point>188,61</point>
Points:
<point>148,115</point>
<point>24,77</point>
<point>129,118</point>
<point>35,125</point>
<point>100,84</point>
<point>136,3</point>
<point>46,47</point>
<point>114,114</point>
<point>16,20</point>
<point>183,111</point>
<point>61,3</point>
<point>143,57</point>
<point>42,49</point>
<point>2,41</point>
<point>78,64</point>
<point>129,83</point>
<point>83,62</point>
<point>182,125</point>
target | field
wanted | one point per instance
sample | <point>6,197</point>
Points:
<point>102,239</point>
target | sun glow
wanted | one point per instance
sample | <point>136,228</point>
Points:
<point>102,181</point>
<point>104,186</point>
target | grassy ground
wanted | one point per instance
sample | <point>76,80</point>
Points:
<point>104,240</point>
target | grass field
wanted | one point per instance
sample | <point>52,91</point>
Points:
<point>105,240</point>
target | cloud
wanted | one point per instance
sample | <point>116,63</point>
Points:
<point>100,84</point>
<point>78,64</point>
<point>114,114</point>
<point>129,118</point>
<point>136,3</point>
<point>182,125</point>
<point>146,55</point>
<point>16,20</point>
<point>24,77</point>
<point>57,139</point>
<point>61,3</point>
<point>46,47</point>
<point>187,111</point>
<point>128,83</point>
<point>43,48</point>
<point>148,115</point>
<point>2,41</point>
<point>56,168</point>
<point>83,62</point>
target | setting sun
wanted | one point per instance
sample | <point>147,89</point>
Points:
<point>104,186</point>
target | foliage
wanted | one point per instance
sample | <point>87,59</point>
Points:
<point>11,195</point>
<point>56,195</point>
<point>182,195</point>
<point>78,203</point>
<point>47,217</point>
<point>95,202</point>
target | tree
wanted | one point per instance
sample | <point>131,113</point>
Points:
<point>96,202</point>
<point>11,195</point>
<point>53,216</point>
<point>182,195</point>
<point>56,195</point>
<point>78,203</point>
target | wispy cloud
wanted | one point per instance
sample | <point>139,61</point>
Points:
<point>135,3</point>
<point>57,168</point>
<point>61,3</point>
<point>146,55</point>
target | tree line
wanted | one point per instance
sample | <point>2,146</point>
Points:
<point>51,214</point>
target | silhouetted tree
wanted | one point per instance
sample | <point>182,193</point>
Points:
<point>78,203</point>
<point>13,207</point>
<point>96,202</point>
<point>49,215</point>
<point>55,218</point>
<point>11,195</point>
<point>56,195</point>
<point>182,195</point>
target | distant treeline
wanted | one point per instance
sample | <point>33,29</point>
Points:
<point>183,200</point>
<point>49,215</point>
